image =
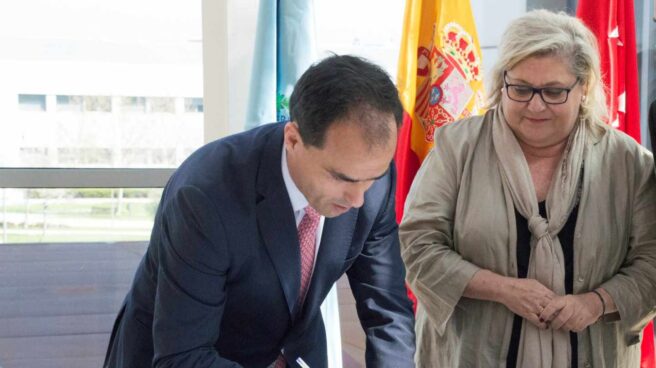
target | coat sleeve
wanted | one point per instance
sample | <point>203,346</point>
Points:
<point>436,273</point>
<point>190,295</point>
<point>632,288</point>
<point>377,282</point>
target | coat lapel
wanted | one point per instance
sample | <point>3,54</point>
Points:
<point>275,219</point>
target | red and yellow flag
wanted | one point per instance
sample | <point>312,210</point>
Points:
<point>613,23</point>
<point>440,79</point>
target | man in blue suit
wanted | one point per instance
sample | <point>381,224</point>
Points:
<point>226,282</point>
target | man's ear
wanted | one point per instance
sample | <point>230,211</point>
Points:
<point>292,135</point>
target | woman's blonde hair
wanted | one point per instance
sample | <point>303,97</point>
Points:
<point>544,33</point>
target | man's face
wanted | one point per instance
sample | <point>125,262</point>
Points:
<point>335,177</point>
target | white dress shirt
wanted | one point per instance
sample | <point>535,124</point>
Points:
<point>299,202</point>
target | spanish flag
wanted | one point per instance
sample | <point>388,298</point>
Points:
<point>440,79</point>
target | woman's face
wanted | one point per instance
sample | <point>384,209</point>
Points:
<point>536,123</point>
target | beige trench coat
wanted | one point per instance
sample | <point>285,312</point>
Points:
<point>459,219</point>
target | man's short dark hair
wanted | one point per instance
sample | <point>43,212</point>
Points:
<point>340,87</point>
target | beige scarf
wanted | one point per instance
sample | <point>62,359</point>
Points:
<point>542,348</point>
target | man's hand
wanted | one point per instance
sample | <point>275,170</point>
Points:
<point>572,312</point>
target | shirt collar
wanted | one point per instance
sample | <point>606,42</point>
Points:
<point>298,200</point>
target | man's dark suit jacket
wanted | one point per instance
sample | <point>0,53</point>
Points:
<point>219,282</point>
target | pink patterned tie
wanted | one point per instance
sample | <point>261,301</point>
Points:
<point>307,237</point>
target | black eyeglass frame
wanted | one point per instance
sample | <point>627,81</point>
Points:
<point>539,90</point>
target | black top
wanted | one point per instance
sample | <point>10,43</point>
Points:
<point>566,237</point>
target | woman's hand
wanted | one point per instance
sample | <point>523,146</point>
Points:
<point>572,312</point>
<point>526,298</point>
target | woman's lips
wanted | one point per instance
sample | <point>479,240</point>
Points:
<point>537,120</point>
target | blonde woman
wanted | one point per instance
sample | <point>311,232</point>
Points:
<point>529,234</point>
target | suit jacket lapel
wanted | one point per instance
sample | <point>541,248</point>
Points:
<point>275,219</point>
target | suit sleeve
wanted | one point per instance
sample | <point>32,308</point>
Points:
<point>377,282</point>
<point>190,295</point>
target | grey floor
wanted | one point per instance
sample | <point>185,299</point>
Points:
<point>58,301</point>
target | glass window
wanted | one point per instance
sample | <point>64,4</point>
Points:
<point>69,103</point>
<point>97,103</point>
<point>76,215</point>
<point>88,86</point>
<point>35,156</point>
<point>161,104</point>
<point>67,256</point>
<point>193,104</point>
<point>133,104</point>
<point>32,102</point>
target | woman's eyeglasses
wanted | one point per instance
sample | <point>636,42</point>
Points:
<point>524,93</point>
